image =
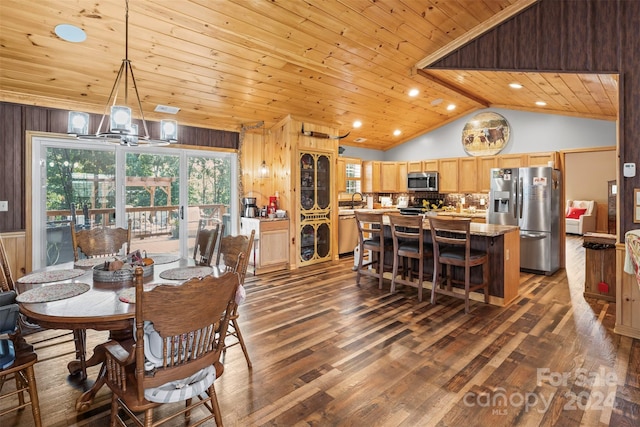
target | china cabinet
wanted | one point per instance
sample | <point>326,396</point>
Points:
<point>314,206</point>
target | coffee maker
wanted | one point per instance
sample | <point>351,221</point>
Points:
<point>250,209</point>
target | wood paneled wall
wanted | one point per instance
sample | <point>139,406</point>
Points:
<point>283,142</point>
<point>16,119</point>
<point>574,36</point>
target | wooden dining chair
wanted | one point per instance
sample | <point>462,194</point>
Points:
<point>100,241</point>
<point>371,238</point>
<point>409,244</point>
<point>206,241</point>
<point>179,340</point>
<point>452,247</point>
<point>17,362</point>
<point>28,326</point>
<point>233,256</point>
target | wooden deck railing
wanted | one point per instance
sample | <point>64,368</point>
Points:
<point>146,221</point>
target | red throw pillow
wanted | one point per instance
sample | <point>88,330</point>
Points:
<point>575,213</point>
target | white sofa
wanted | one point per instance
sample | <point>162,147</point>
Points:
<point>585,223</point>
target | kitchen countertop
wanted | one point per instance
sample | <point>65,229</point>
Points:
<point>464,214</point>
<point>477,229</point>
<point>376,210</point>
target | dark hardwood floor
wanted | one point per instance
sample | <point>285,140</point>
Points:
<point>326,353</point>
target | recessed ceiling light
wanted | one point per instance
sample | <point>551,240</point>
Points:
<point>541,103</point>
<point>414,92</point>
<point>360,140</point>
<point>357,124</point>
<point>397,132</point>
<point>451,107</point>
<point>515,85</point>
<point>70,33</point>
<point>436,101</point>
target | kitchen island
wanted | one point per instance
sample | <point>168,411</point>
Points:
<point>502,243</point>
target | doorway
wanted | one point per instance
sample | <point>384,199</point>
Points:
<point>163,191</point>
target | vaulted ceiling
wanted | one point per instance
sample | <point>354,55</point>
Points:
<point>226,63</point>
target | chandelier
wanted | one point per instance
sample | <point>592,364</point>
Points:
<point>120,127</point>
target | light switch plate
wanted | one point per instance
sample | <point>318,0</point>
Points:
<point>4,206</point>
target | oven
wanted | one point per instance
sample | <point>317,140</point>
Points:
<point>422,181</point>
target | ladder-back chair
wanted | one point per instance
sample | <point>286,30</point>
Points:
<point>233,256</point>
<point>371,238</point>
<point>206,241</point>
<point>179,340</point>
<point>100,241</point>
<point>452,247</point>
<point>408,243</point>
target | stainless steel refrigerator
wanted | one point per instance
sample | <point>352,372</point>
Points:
<point>530,199</point>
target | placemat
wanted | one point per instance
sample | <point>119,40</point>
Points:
<point>129,295</point>
<point>89,263</point>
<point>51,276</point>
<point>163,258</point>
<point>54,292</point>
<point>184,273</point>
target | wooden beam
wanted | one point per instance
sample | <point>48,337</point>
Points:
<point>483,102</point>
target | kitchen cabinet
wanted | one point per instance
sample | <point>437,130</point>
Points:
<point>485,164</point>
<point>468,175</point>
<point>430,165</point>
<point>388,177</point>
<point>271,243</point>
<point>314,207</point>
<point>448,171</point>
<point>402,170</point>
<point>371,173</point>
<point>512,161</point>
<point>542,159</point>
<point>415,166</point>
<point>627,299</point>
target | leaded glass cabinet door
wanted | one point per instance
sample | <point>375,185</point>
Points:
<point>314,207</point>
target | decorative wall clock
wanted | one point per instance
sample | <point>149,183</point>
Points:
<point>486,134</point>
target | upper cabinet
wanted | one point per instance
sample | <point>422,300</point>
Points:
<point>371,174</point>
<point>485,164</point>
<point>448,179</point>
<point>468,174</point>
<point>414,166</point>
<point>456,175</point>
<point>512,161</point>
<point>543,159</point>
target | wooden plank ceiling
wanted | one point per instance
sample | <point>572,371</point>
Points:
<point>225,63</point>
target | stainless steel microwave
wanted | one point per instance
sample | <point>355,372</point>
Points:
<point>422,181</point>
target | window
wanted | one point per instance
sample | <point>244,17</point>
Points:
<point>353,171</point>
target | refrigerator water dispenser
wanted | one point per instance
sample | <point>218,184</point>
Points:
<point>501,200</point>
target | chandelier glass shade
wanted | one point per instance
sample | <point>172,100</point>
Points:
<point>120,127</point>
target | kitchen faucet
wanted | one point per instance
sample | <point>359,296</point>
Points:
<point>352,201</point>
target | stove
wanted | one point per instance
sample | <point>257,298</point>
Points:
<point>412,210</point>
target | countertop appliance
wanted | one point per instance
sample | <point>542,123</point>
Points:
<point>530,199</point>
<point>250,209</point>
<point>422,181</point>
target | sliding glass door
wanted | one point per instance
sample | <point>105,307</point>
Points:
<point>163,192</point>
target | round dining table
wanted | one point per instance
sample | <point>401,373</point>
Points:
<point>101,308</point>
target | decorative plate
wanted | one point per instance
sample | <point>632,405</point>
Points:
<point>51,276</point>
<point>54,292</point>
<point>486,134</point>
<point>184,273</point>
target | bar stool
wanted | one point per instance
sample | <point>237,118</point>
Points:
<point>371,238</point>
<point>452,247</point>
<point>408,243</point>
